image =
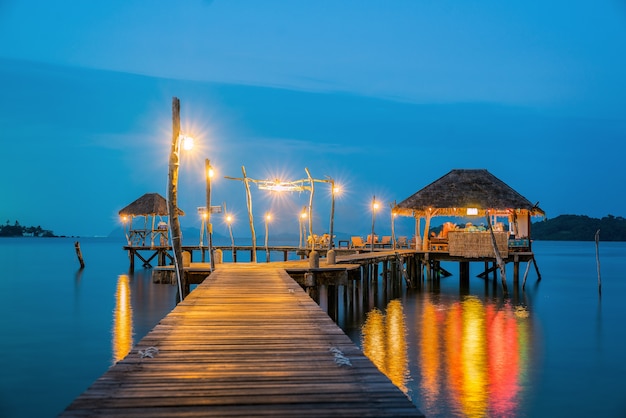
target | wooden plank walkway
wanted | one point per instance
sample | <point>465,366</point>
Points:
<point>247,342</point>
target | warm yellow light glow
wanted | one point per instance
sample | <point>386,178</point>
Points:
<point>124,219</point>
<point>384,342</point>
<point>472,211</point>
<point>210,172</point>
<point>229,219</point>
<point>474,371</point>
<point>122,320</point>
<point>268,217</point>
<point>278,185</point>
<point>375,205</point>
<point>373,338</point>
<point>337,190</point>
<point>397,362</point>
<point>187,142</point>
<point>303,215</point>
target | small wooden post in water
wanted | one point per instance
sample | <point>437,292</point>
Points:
<point>598,261</point>
<point>79,254</point>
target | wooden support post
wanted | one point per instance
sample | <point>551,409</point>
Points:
<point>525,275</point>
<point>131,257</point>
<point>172,201</point>
<point>464,270</point>
<point>496,251</point>
<point>536,268</point>
<point>516,269</point>
<point>331,298</point>
<point>79,254</point>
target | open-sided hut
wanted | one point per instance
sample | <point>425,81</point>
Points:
<point>469,194</point>
<point>149,207</point>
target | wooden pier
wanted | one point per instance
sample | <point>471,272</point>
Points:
<point>248,341</point>
<point>150,256</point>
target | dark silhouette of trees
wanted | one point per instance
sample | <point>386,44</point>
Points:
<point>16,230</point>
<point>580,228</point>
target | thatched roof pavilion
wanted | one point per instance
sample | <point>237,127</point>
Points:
<point>467,193</point>
<point>462,189</point>
<point>148,206</point>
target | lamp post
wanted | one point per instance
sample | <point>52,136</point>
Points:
<point>334,190</point>
<point>374,209</point>
<point>393,230</point>
<point>209,174</point>
<point>229,222</point>
<point>268,218</point>
<point>172,191</point>
<point>301,219</point>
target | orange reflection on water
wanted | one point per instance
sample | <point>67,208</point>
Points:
<point>384,342</point>
<point>477,353</point>
<point>430,347</point>
<point>122,320</point>
<point>473,353</point>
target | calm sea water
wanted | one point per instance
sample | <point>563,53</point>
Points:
<point>555,349</point>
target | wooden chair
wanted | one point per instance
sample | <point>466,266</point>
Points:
<point>402,242</point>
<point>386,241</point>
<point>357,242</point>
<point>369,239</point>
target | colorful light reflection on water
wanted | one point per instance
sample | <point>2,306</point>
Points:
<point>473,354</point>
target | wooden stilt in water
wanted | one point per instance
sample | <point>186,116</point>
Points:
<point>79,254</point>
<point>516,269</point>
<point>598,261</point>
<point>525,275</point>
<point>497,254</point>
<point>536,268</point>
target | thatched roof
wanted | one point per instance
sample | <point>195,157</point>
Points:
<point>458,190</point>
<point>150,204</point>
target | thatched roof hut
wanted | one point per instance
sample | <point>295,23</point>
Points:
<point>458,190</point>
<point>150,204</point>
<point>468,193</point>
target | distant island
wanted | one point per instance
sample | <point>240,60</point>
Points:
<point>17,230</point>
<point>580,228</point>
<point>561,228</point>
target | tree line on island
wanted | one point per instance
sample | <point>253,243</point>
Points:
<point>580,228</point>
<point>17,230</point>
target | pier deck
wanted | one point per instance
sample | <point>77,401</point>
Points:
<point>248,341</point>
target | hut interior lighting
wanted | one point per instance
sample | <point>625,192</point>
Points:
<point>472,211</point>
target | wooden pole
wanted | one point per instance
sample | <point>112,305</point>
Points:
<point>598,261</point>
<point>250,216</point>
<point>79,254</point>
<point>332,214</point>
<point>525,275</point>
<point>172,199</point>
<point>209,225</point>
<point>267,230</point>
<point>311,208</point>
<point>497,253</point>
<point>373,221</point>
<point>393,226</point>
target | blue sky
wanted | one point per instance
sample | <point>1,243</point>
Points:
<point>383,96</point>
